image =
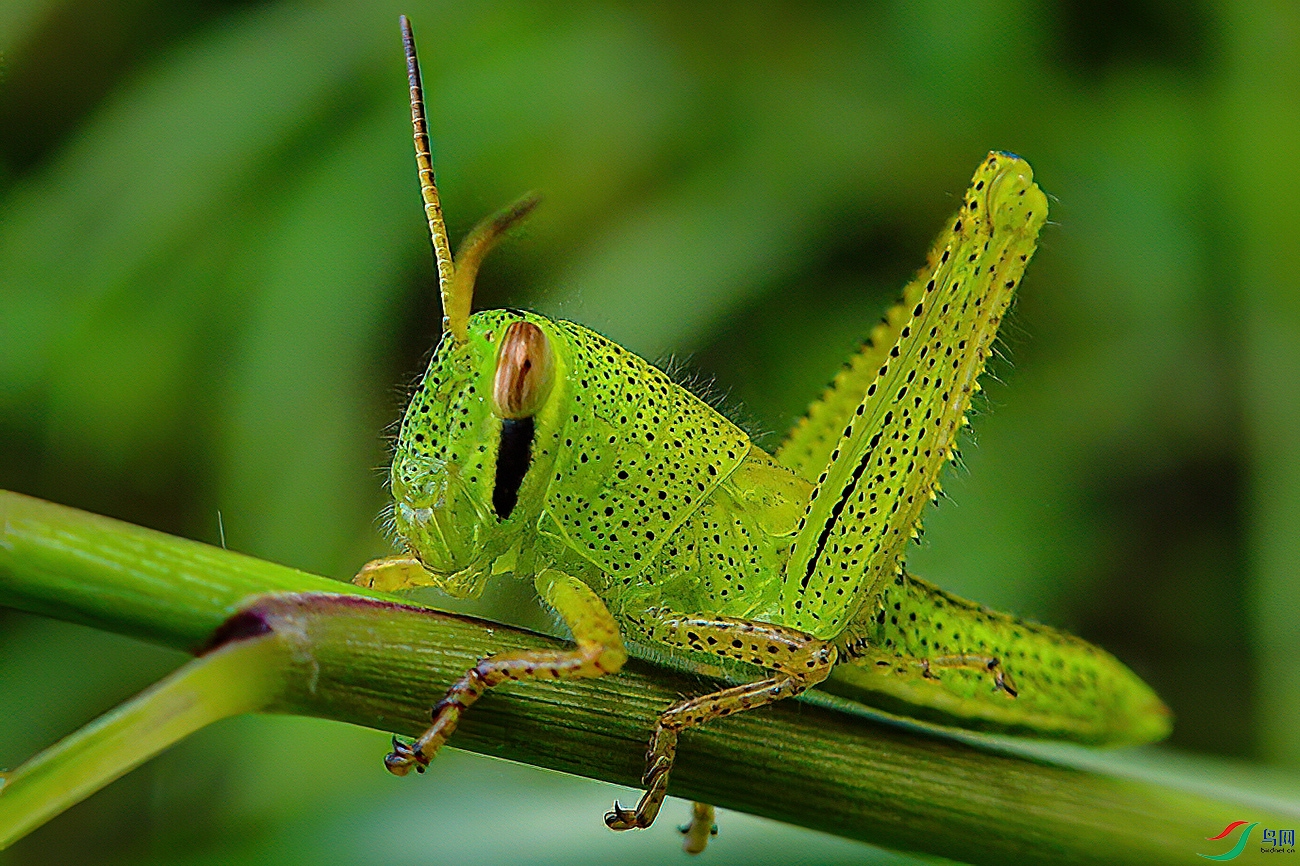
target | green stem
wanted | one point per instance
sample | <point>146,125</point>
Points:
<point>381,664</point>
<point>111,575</point>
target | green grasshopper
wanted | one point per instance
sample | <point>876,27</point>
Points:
<point>652,525</point>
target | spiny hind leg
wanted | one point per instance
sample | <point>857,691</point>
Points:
<point>991,665</point>
<point>599,651</point>
<point>914,628</point>
<point>902,665</point>
<point>798,660</point>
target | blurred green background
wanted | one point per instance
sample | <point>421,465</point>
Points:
<point>215,291</point>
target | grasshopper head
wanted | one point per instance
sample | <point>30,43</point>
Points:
<point>465,454</point>
<point>468,473</point>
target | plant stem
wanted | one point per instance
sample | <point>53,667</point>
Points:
<point>111,575</point>
<point>382,664</point>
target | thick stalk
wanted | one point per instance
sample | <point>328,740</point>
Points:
<point>381,664</point>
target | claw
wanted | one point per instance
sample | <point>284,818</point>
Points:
<point>403,757</point>
<point>619,818</point>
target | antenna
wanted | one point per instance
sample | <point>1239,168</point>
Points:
<point>455,304</point>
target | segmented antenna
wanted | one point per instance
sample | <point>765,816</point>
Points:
<point>455,304</point>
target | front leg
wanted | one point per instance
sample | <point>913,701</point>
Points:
<point>798,660</point>
<point>598,651</point>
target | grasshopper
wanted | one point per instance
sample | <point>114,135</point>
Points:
<point>652,525</point>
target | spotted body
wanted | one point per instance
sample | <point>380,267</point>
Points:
<point>540,450</point>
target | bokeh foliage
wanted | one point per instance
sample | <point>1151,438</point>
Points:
<point>215,287</point>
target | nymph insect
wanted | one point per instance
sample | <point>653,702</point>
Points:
<point>539,449</point>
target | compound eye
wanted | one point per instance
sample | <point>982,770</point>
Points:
<point>525,372</point>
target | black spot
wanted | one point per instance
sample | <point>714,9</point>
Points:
<point>514,453</point>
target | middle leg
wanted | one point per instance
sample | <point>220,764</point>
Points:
<point>798,661</point>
